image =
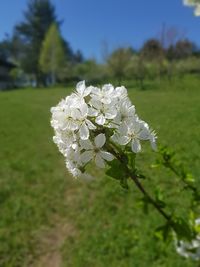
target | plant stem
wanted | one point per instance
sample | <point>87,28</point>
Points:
<point>140,187</point>
<point>152,201</point>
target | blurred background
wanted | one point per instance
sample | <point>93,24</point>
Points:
<point>152,47</point>
<point>45,43</point>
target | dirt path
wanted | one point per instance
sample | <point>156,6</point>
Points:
<point>51,243</point>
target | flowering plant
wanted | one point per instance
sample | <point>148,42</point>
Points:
<point>101,126</point>
<point>90,123</point>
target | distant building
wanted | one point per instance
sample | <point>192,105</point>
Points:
<point>5,79</point>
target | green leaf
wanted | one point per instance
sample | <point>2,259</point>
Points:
<point>155,165</point>
<point>117,171</point>
<point>182,229</point>
<point>124,183</point>
<point>163,232</point>
<point>159,198</point>
<point>189,178</point>
<point>145,204</point>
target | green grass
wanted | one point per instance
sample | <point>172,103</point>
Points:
<point>48,216</point>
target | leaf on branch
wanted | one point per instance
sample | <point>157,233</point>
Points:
<point>159,198</point>
<point>189,178</point>
<point>118,172</point>
<point>163,232</point>
<point>182,229</point>
<point>145,204</point>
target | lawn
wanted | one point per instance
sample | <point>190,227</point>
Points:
<point>49,219</point>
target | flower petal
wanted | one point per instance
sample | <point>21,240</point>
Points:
<point>84,132</point>
<point>106,155</point>
<point>121,91</point>
<point>76,114</point>
<point>99,161</point>
<point>108,88</point>
<point>86,156</point>
<point>135,145</point>
<point>86,144</point>
<point>144,134</point>
<point>100,119</point>
<point>111,114</point>
<point>92,112</point>
<point>80,87</point>
<point>96,90</point>
<point>120,139</point>
<point>90,125</point>
<point>84,109</point>
<point>87,90</point>
<point>100,140</point>
<point>123,129</point>
<point>95,103</point>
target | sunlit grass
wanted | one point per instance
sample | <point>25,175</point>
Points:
<point>103,224</point>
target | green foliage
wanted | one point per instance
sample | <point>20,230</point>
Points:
<point>168,159</point>
<point>39,16</point>
<point>52,55</point>
<point>118,62</point>
<point>118,171</point>
<point>183,229</point>
<point>90,71</point>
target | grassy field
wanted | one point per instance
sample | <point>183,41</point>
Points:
<point>48,219</point>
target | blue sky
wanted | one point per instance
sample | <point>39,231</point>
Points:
<point>90,23</point>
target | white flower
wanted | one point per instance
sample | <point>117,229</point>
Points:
<point>102,112</point>
<point>104,95</point>
<point>121,92</point>
<point>126,112</point>
<point>190,249</point>
<point>95,151</point>
<point>82,91</point>
<point>64,140</point>
<point>132,133</point>
<point>80,120</point>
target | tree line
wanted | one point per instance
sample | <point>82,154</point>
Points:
<point>43,57</point>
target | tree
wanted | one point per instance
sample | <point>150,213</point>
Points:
<point>152,53</point>
<point>90,71</point>
<point>184,49</point>
<point>12,48</point>
<point>52,56</point>
<point>118,62</point>
<point>152,49</point>
<point>39,16</point>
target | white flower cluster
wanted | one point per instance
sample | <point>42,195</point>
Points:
<point>195,4</point>
<point>192,249</point>
<point>87,120</point>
